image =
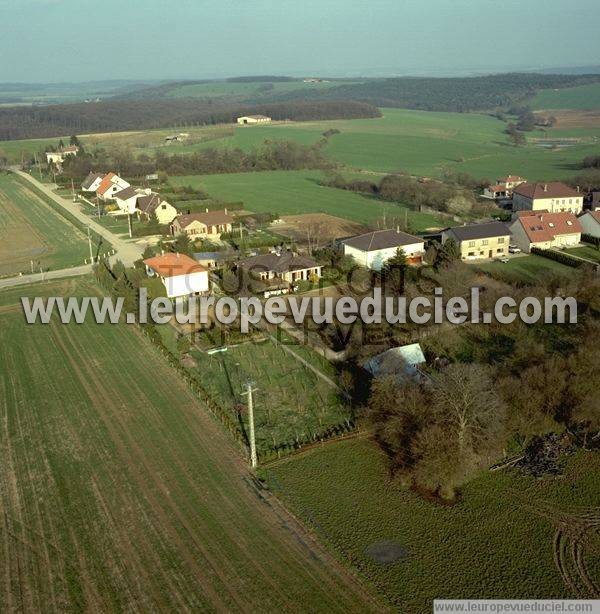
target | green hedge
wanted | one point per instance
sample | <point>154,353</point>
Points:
<point>595,241</point>
<point>561,257</point>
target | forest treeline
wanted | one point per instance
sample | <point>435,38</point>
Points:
<point>121,115</point>
<point>272,155</point>
<point>460,94</point>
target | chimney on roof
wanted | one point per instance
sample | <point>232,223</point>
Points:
<point>398,229</point>
<point>177,254</point>
<point>206,209</point>
<point>545,187</point>
<point>162,252</point>
<point>578,188</point>
<point>226,211</point>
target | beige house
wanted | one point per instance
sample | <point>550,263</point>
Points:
<point>480,241</point>
<point>253,119</point>
<point>545,230</point>
<point>553,197</point>
<point>152,206</point>
<point>210,224</point>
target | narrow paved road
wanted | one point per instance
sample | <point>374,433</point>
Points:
<point>127,252</point>
<point>22,280</point>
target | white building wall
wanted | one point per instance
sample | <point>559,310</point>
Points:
<point>376,259</point>
<point>183,285</point>
<point>574,204</point>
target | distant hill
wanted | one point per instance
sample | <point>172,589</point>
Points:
<point>461,94</point>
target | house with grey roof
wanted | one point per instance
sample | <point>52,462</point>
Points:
<point>373,249</point>
<point>153,206</point>
<point>479,241</point>
<point>281,268</point>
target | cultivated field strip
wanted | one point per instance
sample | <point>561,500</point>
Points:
<point>31,230</point>
<point>119,492</point>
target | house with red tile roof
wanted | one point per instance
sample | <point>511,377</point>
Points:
<point>552,196</point>
<point>590,222</point>
<point>110,185</point>
<point>180,274</point>
<point>545,230</point>
<point>503,188</point>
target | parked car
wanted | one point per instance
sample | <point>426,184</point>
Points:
<point>513,249</point>
<point>503,259</point>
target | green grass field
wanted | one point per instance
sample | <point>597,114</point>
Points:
<point>496,542</point>
<point>583,97</point>
<point>416,142</point>
<point>425,144</point>
<point>119,492</point>
<point>295,192</point>
<point>30,229</point>
<point>530,268</point>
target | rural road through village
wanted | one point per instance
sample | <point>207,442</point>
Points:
<point>127,252</point>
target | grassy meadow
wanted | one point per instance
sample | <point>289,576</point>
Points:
<point>524,269</point>
<point>119,491</point>
<point>295,192</point>
<point>582,97</point>
<point>426,144</point>
<point>416,142</point>
<point>499,541</point>
<point>30,229</point>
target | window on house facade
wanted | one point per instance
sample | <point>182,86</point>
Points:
<point>471,243</point>
<point>500,239</point>
<point>485,242</point>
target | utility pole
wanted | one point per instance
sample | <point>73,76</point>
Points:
<point>129,225</point>
<point>73,190</point>
<point>35,159</point>
<point>90,244</point>
<point>249,391</point>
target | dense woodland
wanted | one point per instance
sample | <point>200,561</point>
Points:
<point>120,115</point>
<point>446,94</point>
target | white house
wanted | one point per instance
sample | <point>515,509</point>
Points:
<point>110,185</point>
<point>126,200</point>
<point>553,196</point>
<point>373,249</point>
<point>590,223</point>
<point>92,182</point>
<point>253,119</point>
<point>545,230</point>
<point>180,274</point>
<point>58,157</point>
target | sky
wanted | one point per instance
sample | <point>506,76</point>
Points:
<point>90,40</point>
